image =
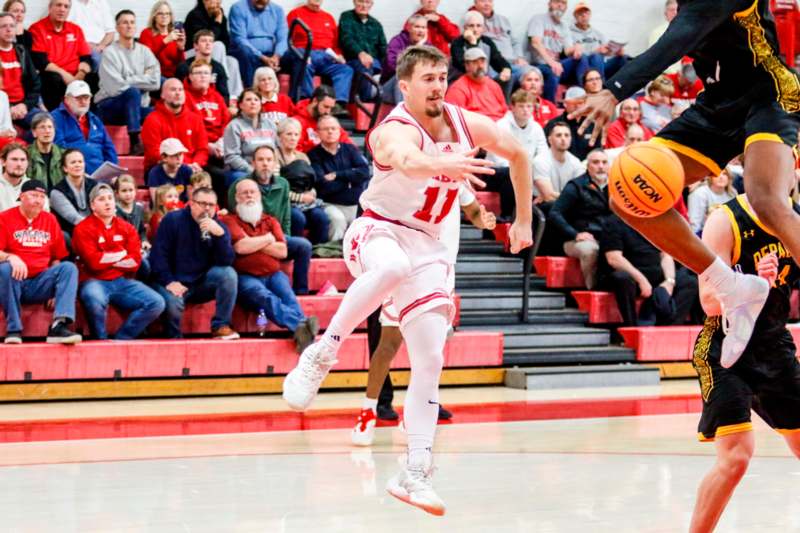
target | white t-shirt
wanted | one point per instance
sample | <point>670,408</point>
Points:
<point>531,137</point>
<point>556,37</point>
<point>94,17</point>
<point>545,167</point>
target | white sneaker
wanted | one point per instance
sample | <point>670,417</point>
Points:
<point>302,384</point>
<point>740,309</point>
<point>364,432</point>
<point>414,486</point>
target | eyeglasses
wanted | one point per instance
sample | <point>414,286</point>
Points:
<point>205,205</point>
<point>598,78</point>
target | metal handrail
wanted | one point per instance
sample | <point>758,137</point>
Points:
<point>355,97</point>
<point>528,255</point>
<point>303,58</point>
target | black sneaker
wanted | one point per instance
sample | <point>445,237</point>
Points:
<point>61,334</point>
<point>386,412</point>
<point>444,414</point>
<point>305,333</point>
<point>13,337</point>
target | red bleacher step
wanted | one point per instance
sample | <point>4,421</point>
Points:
<point>206,357</point>
<point>135,166</point>
<point>119,136</point>
<point>559,272</point>
<point>490,200</point>
<point>601,306</point>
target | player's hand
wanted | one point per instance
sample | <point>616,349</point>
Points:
<point>520,236</point>
<point>464,167</point>
<point>645,289</point>
<point>210,225</point>
<point>488,219</point>
<point>767,268</point>
<point>598,110</point>
<point>19,270</point>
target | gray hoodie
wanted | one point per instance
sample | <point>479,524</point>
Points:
<point>122,68</point>
<point>241,139</point>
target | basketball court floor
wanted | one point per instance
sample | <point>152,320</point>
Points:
<point>590,460</point>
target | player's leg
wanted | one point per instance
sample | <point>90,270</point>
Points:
<point>733,456</point>
<point>425,337</point>
<point>385,265</point>
<point>391,339</point>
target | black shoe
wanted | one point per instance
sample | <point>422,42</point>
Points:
<point>386,412</point>
<point>61,334</point>
<point>305,333</point>
<point>340,110</point>
<point>444,414</point>
<point>136,149</point>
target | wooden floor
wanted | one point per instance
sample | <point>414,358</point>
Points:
<point>621,474</point>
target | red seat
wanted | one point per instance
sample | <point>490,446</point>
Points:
<point>135,166</point>
<point>360,117</point>
<point>119,136</point>
<point>143,195</point>
<point>661,343</point>
<point>601,306</point>
<point>490,200</point>
<point>559,272</point>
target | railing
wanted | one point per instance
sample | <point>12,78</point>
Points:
<point>528,255</point>
<point>355,96</point>
<point>299,75</point>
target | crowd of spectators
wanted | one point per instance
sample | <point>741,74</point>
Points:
<point>242,176</point>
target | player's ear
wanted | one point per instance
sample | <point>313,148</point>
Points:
<point>403,85</point>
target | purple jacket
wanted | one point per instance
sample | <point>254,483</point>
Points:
<point>399,42</point>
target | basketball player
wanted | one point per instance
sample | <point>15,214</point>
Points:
<point>422,152</point>
<point>364,431</point>
<point>750,104</point>
<point>766,378</point>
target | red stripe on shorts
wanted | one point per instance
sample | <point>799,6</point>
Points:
<point>422,301</point>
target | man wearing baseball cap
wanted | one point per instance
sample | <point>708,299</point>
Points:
<point>77,127</point>
<point>109,254</point>
<point>31,268</point>
<point>601,56</point>
<point>172,170</point>
<point>475,91</point>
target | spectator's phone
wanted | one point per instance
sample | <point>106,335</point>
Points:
<point>179,26</point>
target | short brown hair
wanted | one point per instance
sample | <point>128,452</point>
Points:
<point>663,85</point>
<point>199,177</point>
<point>414,55</point>
<point>522,96</point>
<point>10,147</point>
<point>202,33</point>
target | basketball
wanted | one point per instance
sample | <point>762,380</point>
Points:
<point>646,180</point>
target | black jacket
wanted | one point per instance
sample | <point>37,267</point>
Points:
<point>198,19</point>
<point>460,45</point>
<point>31,82</point>
<point>582,206</point>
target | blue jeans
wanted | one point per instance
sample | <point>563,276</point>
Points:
<point>247,64</point>
<point>125,109</point>
<point>59,281</point>
<point>144,303</point>
<point>367,90</point>
<point>274,295</point>
<point>299,250</point>
<point>219,283</point>
<point>574,69</point>
<point>321,65</point>
<point>613,64</point>
<point>315,220</point>
<point>233,175</point>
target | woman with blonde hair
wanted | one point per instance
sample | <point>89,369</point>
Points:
<point>714,191</point>
<point>277,106</point>
<point>165,38</point>
<point>657,104</point>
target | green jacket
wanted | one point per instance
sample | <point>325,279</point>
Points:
<point>37,170</point>
<point>356,36</point>
<point>274,197</point>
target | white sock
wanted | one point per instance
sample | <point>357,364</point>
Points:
<point>370,403</point>
<point>719,276</point>
<point>425,337</point>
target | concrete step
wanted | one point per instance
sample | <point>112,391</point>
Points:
<point>480,247</point>
<point>485,264</point>
<point>501,317</point>
<point>486,300</point>
<point>555,377</point>
<point>496,281</point>
<point>470,233</point>
<point>573,355</point>
<point>543,336</point>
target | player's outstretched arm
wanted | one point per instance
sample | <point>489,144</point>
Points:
<point>718,236</point>
<point>488,136</point>
<point>397,145</point>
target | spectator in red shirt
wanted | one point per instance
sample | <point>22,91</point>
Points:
<point>167,41</point>
<point>326,56</point>
<point>31,250</point>
<point>20,79</point>
<point>629,113</point>
<point>687,84</point>
<point>441,32</point>
<point>308,112</point>
<point>203,98</point>
<point>544,110</point>
<point>475,91</point>
<point>60,52</point>
<point>173,118</point>
<point>277,106</point>
<point>260,246</point>
<point>109,254</point>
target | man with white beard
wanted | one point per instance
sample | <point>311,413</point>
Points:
<point>260,246</point>
<point>77,127</point>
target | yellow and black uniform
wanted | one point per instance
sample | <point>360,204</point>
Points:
<point>766,378</point>
<point>750,94</point>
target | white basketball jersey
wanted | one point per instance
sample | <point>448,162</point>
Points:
<point>417,203</point>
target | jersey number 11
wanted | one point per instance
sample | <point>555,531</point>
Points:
<point>431,196</point>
